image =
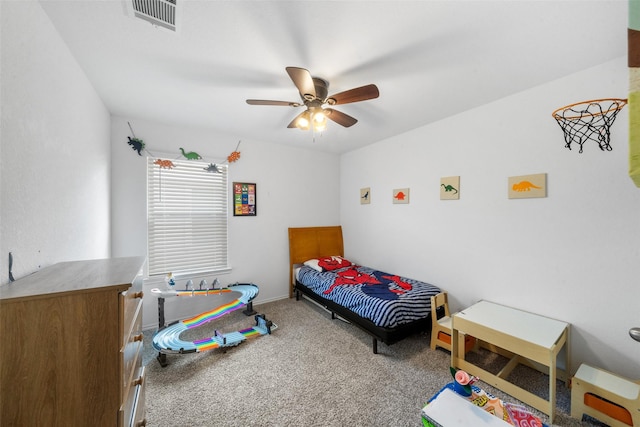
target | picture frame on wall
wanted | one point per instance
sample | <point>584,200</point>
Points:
<point>450,188</point>
<point>365,196</point>
<point>400,196</point>
<point>527,186</point>
<point>244,199</point>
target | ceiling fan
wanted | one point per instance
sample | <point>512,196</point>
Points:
<point>313,91</point>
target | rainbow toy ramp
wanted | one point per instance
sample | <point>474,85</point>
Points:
<point>167,339</point>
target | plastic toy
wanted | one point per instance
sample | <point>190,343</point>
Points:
<point>167,338</point>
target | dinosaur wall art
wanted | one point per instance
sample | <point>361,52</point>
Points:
<point>450,188</point>
<point>401,195</point>
<point>527,186</point>
<point>365,196</point>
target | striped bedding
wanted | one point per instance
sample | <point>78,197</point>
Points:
<point>387,300</point>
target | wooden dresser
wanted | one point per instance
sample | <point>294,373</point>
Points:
<point>71,346</point>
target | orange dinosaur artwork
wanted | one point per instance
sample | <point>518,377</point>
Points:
<point>527,186</point>
<point>401,195</point>
<point>524,186</point>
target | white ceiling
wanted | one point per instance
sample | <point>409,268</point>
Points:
<point>429,59</point>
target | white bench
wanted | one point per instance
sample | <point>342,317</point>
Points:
<point>605,396</point>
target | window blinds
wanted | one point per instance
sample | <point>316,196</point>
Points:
<point>186,218</point>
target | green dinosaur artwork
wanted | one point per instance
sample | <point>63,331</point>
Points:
<point>449,188</point>
<point>192,155</point>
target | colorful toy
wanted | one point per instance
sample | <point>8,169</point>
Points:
<point>167,338</point>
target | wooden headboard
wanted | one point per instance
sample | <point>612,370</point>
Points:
<point>312,242</point>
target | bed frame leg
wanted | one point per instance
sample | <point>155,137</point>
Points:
<point>375,346</point>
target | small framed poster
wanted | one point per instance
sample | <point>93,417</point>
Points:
<point>365,196</point>
<point>401,196</point>
<point>450,188</point>
<point>244,199</point>
<point>527,186</point>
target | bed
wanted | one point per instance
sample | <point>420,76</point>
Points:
<point>386,306</point>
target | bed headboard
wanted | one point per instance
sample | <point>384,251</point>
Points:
<point>312,242</point>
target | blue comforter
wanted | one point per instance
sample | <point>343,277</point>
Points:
<point>387,300</point>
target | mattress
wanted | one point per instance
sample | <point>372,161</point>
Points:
<point>385,299</point>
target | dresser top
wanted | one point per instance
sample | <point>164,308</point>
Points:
<point>75,276</point>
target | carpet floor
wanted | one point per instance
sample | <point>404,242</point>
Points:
<point>312,371</point>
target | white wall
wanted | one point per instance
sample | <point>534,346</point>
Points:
<point>573,255</point>
<point>295,188</point>
<point>55,171</point>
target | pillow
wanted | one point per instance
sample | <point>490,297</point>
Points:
<point>328,263</point>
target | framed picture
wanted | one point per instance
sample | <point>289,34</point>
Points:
<point>450,188</point>
<point>244,199</point>
<point>400,196</point>
<point>365,196</point>
<point>527,186</point>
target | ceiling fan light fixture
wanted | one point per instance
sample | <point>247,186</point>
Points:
<point>319,117</point>
<point>319,120</point>
<point>304,120</point>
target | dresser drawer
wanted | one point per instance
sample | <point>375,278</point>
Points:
<point>130,307</point>
<point>132,412</point>
<point>138,416</point>
<point>131,353</point>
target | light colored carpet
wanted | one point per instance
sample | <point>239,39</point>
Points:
<point>311,371</point>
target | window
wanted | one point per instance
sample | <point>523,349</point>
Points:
<point>186,218</point>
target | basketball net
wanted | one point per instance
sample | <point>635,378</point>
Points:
<point>588,120</point>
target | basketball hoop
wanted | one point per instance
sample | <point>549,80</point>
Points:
<point>588,120</point>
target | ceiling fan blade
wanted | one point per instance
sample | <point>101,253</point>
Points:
<point>267,102</point>
<point>354,95</point>
<point>303,81</point>
<point>340,118</point>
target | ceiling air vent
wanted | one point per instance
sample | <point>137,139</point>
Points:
<point>158,12</point>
